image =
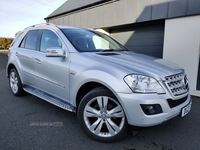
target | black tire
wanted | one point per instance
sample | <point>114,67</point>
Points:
<point>15,83</point>
<point>101,116</point>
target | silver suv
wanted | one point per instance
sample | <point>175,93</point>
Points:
<point>91,74</point>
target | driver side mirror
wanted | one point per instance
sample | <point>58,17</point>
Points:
<point>55,52</point>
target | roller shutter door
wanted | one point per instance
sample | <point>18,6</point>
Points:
<point>146,39</point>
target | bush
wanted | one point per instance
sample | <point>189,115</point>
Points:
<point>5,42</point>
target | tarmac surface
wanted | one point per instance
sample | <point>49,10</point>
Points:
<point>29,123</point>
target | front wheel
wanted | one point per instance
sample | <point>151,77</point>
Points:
<point>101,116</point>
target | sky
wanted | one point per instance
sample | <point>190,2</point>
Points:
<point>15,15</point>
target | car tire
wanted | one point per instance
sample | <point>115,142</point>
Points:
<point>101,116</point>
<point>15,83</point>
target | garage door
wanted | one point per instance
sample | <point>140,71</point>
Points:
<point>146,38</point>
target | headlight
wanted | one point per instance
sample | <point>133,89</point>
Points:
<point>143,84</point>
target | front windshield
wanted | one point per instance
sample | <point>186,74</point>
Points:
<point>91,41</point>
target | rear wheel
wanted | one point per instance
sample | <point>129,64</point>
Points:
<point>101,116</point>
<point>15,83</point>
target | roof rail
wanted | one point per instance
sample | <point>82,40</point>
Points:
<point>47,23</point>
<point>40,24</point>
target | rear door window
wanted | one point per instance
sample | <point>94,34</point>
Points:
<point>31,39</point>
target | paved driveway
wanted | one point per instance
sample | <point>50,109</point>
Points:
<point>29,123</point>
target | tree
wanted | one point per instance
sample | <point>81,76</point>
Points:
<point>5,42</point>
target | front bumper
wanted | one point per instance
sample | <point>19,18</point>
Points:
<point>131,104</point>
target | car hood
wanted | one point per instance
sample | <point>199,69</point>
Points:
<point>138,63</point>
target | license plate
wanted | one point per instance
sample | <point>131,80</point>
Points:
<point>186,109</point>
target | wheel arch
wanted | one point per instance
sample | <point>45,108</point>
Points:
<point>10,66</point>
<point>85,88</point>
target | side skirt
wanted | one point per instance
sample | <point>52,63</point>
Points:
<point>49,98</point>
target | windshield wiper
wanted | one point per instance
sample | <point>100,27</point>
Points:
<point>108,50</point>
<point>124,50</point>
<point>111,50</point>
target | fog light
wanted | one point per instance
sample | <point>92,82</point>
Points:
<point>151,109</point>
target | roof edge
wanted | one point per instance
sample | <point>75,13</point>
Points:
<point>83,7</point>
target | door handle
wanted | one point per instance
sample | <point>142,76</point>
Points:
<point>16,53</point>
<point>37,61</point>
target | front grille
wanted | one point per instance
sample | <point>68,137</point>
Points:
<point>177,84</point>
<point>174,103</point>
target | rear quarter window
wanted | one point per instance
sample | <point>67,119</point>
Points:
<point>16,38</point>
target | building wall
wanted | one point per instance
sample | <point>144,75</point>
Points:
<point>121,12</point>
<point>182,45</point>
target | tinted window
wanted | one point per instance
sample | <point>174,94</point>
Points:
<point>30,41</point>
<point>49,39</point>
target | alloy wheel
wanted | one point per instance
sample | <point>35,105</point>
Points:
<point>104,116</point>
